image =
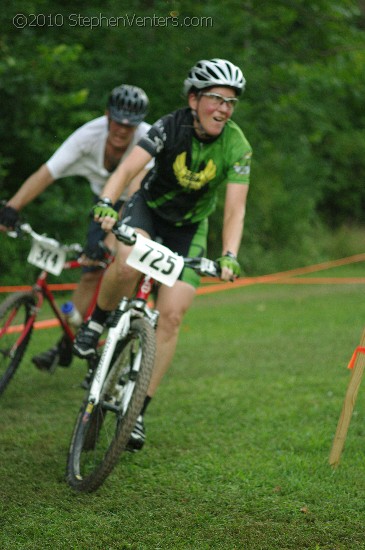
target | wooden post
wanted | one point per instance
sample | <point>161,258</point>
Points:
<point>348,405</point>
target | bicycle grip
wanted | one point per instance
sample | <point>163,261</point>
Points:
<point>124,233</point>
<point>203,266</point>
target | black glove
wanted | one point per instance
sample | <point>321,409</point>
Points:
<point>9,216</point>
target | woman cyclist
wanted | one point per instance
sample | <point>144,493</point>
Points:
<point>197,150</point>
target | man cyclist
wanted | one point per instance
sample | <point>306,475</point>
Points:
<point>197,150</point>
<point>93,151</point>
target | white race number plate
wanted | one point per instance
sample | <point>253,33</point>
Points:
<point>46,256</point>
<point>155,260</point>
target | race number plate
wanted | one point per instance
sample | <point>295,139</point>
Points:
<point>155,260</point>
<point>47,256</point>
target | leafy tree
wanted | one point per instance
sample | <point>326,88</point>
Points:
<point>302,110</point>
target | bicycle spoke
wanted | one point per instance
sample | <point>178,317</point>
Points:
<point>102,432</point>
<point>16,324</point>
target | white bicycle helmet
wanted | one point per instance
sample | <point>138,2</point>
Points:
<point>214,72</point>
<point>128,105</point>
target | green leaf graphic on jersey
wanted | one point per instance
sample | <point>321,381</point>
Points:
<point>189,179</point>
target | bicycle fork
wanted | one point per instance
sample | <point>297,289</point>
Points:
<point>115,333</point>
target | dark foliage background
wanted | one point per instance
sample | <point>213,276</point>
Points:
<point>302,110</point>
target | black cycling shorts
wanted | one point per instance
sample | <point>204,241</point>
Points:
<point>187,240</point>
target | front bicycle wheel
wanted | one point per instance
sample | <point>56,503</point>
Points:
<point>15,332</point>
<point>102,432</point>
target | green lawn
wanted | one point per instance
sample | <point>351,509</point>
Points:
<point>239,436</point>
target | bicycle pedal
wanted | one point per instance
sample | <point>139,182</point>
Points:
<point>44,367</point>
<point>93,362</point>
<point>85,384</point>
<point>53,367</point>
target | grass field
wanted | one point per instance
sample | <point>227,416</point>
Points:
<point>239,436</point>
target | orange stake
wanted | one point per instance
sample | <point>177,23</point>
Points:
<point>357,364</point>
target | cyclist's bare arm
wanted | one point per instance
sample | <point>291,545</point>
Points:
<point>233,222</point>
<point>125,173</point>
<point>234,215</point>
<point>31,188</point>
<point>135,184</point>
<point>118,181</point>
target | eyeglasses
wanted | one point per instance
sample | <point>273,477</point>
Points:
<point>217,100</point>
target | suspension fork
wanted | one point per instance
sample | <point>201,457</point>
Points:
<point>115,334</point>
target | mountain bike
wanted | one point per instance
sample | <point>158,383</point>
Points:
<point>19,311</point>
<point>120,382</point>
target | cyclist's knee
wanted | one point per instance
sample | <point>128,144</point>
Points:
<point>125,273</point>
<point>170,321</point>
<point>91,276</point>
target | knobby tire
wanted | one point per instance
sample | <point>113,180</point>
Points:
<point>15,311</point>
<point>100,435</point>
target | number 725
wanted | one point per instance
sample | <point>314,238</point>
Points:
<point>158,261</point>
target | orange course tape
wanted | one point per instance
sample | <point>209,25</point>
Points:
<point>54,287</point>
<point>47,323</point>
<point>284,277</point>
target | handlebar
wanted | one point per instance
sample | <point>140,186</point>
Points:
<point>203,266</point>
<point>124,233</point>
<point>25,228</point>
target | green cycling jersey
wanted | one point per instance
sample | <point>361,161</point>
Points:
<point>182,187</point>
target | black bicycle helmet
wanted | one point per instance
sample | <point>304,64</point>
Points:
<point>128,105</point>
<point>214,72</point>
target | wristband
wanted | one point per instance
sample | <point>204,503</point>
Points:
<point>105,201</point>
<point>230,255</point>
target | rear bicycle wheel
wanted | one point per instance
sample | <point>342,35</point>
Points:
<point>102,432</point>
<point>15,333</point>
